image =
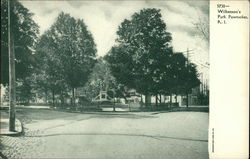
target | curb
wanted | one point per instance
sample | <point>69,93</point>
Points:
<point>18,132</point>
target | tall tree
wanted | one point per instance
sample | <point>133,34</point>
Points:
<point>142,55</point>
<point>48,71</point>
<point>25,32</point>
<point>72,52</point>
<point>191,79</point>
<point>184,75</point>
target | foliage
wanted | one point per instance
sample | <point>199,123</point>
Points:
<point>25,32</point>
<point>75,49</point>
<point>24,90</point>
<point>141,58</point>
<point>184,74</point>
<point>66,54</point>
<point>48,73</point>
<point>101,79</point>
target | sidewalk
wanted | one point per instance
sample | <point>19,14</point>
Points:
<point>4,125</point>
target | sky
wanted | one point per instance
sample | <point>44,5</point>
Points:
<point>103,18</point>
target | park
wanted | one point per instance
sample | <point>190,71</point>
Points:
<point>64,96</point>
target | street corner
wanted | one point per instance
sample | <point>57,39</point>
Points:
<point>4,125</point>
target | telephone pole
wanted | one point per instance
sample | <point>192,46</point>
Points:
<point>12,86</point>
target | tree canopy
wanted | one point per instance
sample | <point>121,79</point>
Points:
<point>25,32</point>
<point>67,53</point>
<point>143,58</point>
<point>184,74</point>
<point>101,79</point>
<point>75,47</point>
<point>142,55</point>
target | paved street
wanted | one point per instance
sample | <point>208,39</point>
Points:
<point>54,134</point>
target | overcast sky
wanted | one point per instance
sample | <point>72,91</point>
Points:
<point>103,18</point>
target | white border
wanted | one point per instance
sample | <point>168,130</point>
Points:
<point>229,87</point>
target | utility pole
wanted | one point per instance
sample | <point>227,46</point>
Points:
<point>12,86</point>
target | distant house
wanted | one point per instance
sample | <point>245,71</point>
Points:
<point>133,96</point>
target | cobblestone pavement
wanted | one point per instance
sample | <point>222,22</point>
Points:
<point>53,134</point>
<point>17,147</point>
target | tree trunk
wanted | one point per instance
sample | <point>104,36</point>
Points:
<point>126,100</point>
<point>62,99</point>
<point>114,100</point>
<point>114,106</point>
<point>53,98</point>
<point>156,101</point>
<point>170,100</point>
<point>148,100</point>
<point>175,98</point>
<point>46,96</point>
<point>176,102</point>
<point>160,98</point>
<point>73,97</point>
<point>187,100</point>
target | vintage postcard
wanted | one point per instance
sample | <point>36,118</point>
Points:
<point>124,79</point>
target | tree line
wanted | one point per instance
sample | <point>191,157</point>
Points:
<point>64,58</point>
<point>143,58</point>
